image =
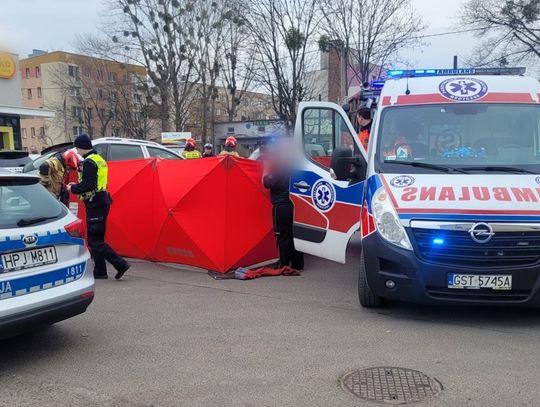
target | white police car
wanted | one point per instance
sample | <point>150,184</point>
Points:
<point>45,274</point>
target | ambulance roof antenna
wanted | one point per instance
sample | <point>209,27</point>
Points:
<point>407,91</point>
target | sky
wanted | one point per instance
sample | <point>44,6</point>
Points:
<point>53,24</point>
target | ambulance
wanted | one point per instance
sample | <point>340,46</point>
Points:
<point>447,196</point>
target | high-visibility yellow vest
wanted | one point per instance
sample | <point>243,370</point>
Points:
<point>102,176</point>
<point>188,155</point>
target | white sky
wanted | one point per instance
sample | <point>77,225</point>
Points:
<point>52,25</point>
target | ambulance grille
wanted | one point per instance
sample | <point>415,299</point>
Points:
<point>456,248</point>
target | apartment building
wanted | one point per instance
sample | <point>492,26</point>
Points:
<point>91,95</point>
<point>11,110</point>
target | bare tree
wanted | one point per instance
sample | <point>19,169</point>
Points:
<point>369,34</point>
<point>512,28</point>
<point>236,59</point>
<point>282,31</point>
<point>162,36</point>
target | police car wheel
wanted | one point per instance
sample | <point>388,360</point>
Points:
<point>365,295</point>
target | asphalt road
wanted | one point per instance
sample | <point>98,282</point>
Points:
<point>165,337</point>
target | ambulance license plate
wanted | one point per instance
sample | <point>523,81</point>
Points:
<point>476,282</point>
<point>28,259</point>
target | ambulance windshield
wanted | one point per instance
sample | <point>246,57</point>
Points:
<point>461,136</point>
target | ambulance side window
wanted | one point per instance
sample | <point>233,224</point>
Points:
<point>324,129</point>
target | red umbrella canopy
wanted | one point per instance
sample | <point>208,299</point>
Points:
<point>189,213</point>
<point>248,219</point>
<point>129,227</point>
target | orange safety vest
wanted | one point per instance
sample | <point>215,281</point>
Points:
<point>364,137</point>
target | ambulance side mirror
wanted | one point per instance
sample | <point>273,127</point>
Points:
<point>345,167</point>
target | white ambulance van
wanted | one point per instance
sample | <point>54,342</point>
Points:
<point>447,197</point>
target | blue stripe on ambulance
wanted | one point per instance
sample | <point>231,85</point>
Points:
<point>344,195</point>
<point>25,285</point>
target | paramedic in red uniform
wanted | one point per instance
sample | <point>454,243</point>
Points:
<point>363,118</point>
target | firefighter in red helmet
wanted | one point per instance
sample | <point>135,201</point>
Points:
<point>189,151</point>
<point>55,172</point>
<point>230,147</point>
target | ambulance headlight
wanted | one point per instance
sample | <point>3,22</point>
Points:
<point>387,221</point>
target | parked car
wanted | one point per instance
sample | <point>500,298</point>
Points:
<point>45,268</point>
<point>14,160</point>
<point>112,149</point>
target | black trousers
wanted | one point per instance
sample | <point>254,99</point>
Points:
<point>283,228</point>
<point>96,223</point>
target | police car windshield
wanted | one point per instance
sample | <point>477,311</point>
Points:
<point>468,136</point>
<point>24,202</point>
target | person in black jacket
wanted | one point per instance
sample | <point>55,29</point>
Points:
<point>276,177</point>
<point>92,190</point>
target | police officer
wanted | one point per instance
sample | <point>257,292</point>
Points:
<point>92,190</point>
<point>276,177</point>
<point>208,150</point>
<point>54,173</point>
<point>190,152</point>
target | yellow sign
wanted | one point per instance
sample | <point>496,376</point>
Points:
<point>8,68</point>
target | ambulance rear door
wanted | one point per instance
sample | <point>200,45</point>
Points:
<point>327,212</point>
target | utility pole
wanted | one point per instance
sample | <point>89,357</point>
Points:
<point>455,62</point>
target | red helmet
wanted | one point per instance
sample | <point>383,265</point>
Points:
<point>190,143</point>
<point>231,142</point>
<point>72,159</point>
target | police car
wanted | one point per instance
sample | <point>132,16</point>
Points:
<point>45,273</point>
<point>447,197</point>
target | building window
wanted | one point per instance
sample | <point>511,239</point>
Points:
<point>39,95</point>
<point>73,71</point>
<point>230,129</point>
<point>33,132</point>
<point>29,91</point>
<point>218,112</point>
<point>262,129</point>
<point>77,130</point>
<point>99,75</point>
<point>24,134</point>
<point>89,113</point>
<point>75,92</point>
<point>76,111</point>
<point>100,94</point>
<point>27,72</point>
<point>38,72</point>
<point>138,98</point>
<point>112,76</point>
<point>42,132</point>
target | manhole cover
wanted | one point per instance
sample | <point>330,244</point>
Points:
<point>392,385</point>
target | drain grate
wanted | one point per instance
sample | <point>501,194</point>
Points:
<point>392,385</point>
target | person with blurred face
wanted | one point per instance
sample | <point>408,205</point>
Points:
<point>230,147</point>
<point>276,177</point>
<point>189,152</point>
<point>208,150</point>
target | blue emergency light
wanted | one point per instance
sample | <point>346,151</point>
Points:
<point>438,241</point>
<point>418,73</point>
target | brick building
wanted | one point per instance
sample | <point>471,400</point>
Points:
<point>91,95</point>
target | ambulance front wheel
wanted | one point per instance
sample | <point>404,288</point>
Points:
<point>365,295</point>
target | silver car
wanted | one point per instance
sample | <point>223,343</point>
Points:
<point>45,267</point>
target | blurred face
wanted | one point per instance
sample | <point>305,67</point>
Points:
<point>207,150</point>
<point>361,121</point>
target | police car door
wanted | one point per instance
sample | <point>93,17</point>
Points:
<point>326,211</point>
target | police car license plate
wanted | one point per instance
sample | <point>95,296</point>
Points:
<point>28,259</point>
<point>476,282</point>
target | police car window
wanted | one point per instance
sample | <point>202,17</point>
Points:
<point>158,152</point>
<point>323,130</point>
<point>462,135</point>
<point>27,199</point>
<point>119,152</point>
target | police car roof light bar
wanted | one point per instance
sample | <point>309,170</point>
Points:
<point>418,73</point>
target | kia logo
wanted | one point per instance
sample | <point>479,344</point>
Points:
<point>28,240</point>
<point>481,233</point>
